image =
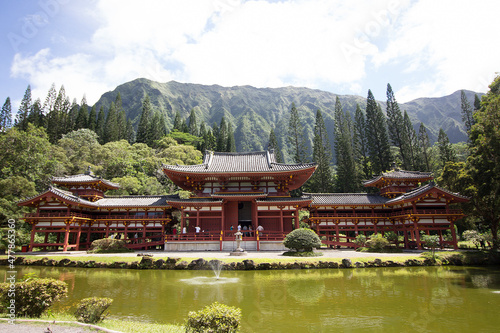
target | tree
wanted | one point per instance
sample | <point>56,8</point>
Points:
<point>296,137</point>
<point>142,128</point>
<point>395,125</point>
<point>321,181</point>
<point>376,134</point>
<point>410,144</point>
<point>100,123</point>
<point>177,121</point>
<point>82,117</point>
<point>361,144</point>
<point>274,145</point>
<point>193,124</point>
<point>222,136</point>
<point>446,152</point>
<point>484,160</point>
<point>467,112</point>
<point>24,110</point>
<point>231,144</point>
<point>111,132</point>
<point>6,116</point>
<point>92,121</point>
<point>347,176</point>
<point>424,144</point>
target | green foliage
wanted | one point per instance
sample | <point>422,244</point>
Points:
<point>33,296</point>
<point>108,245</point>
<point>360,240</point>
<point>474,237</point>
<point>184,138</point>
<point>296,137</point>
<point>377,243</point>
<point>216,318</point>
<point>430,241</point>
<point>345,152</point>
<point>302,240</point>
<point>91,310</point>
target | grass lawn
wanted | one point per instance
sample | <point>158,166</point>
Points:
<point>115,324</point>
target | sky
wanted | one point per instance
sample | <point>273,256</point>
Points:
<point>422,48</point>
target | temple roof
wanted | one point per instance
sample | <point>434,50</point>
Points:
<point>400,175</point>
<point>346,199</point>
<point>136,201</point>
<point>424,189</point>
<point>84,179</point>
<point>253,162</point>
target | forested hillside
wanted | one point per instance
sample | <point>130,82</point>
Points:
<point>253,112</point>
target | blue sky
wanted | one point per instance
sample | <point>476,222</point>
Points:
<point>422,48</point>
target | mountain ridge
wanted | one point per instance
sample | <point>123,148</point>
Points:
<point>254,111</point>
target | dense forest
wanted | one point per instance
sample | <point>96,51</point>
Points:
<point>59,137</point>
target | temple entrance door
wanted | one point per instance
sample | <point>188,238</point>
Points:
<point>245,214</point>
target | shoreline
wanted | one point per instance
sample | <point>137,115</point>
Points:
<point>256,260</point>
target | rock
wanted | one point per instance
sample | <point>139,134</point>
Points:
<point>264,266</point>
<point>378,262</point>
<point>159,263</point>
<point>346,263</point>
<point>172,260</point>
<point>63,262</point>
<point>181,265</point>
<point>249,264</point>
<point>198,264</point>
<point>359,264</point>
<point>146,262</point>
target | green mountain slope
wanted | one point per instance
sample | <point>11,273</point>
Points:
<point>254,111</point>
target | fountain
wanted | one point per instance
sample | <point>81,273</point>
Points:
<point>216,266</point>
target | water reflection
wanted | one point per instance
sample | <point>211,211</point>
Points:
<point>351,300</point>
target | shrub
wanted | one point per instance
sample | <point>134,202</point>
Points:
<point>33,296</point>
<point>214,318</point>
<point>377,242</point>
<point>302,240</point>
<point>360,240</point>
<point>108,245</point>
<point>91,310</point>
<point>474,237</point>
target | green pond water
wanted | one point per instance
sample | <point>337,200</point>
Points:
<point>421,299</point>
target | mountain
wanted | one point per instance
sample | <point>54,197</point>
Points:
<point>254,111</point>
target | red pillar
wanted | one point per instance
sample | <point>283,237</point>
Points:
<point>79,233</point>
<point>32,238</point>
<point>66,237</point>
<point>297,217</point>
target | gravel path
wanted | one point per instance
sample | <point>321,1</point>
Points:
<point>327,253</point>
<point>41,328</point>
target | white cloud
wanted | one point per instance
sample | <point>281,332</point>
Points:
<point>437,47</point>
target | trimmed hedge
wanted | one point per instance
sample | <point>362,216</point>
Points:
<point>215,318</point>
<point>302,240</point>
<point>32,297</point>
<point>91,310</point>
<point>108,245</point>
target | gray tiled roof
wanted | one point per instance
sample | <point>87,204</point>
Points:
<point>262,161</point>
<point>63,194</point>
<point>136,200</point>
<point>284,199</point>
<point>83,178</point>
<point>418,191</point>
<point>401,174</point>
<point>347,199</point>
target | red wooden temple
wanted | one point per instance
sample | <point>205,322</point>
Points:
<point>233,191</point>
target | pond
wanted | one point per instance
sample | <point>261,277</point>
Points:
<point>423,299</point>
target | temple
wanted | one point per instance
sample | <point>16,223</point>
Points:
<point>230,192</point>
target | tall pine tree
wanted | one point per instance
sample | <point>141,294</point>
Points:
<point>467,112</point>
<point>322,179</point>
<point>100,123</point>
<point>274,145</point>
<point>347,176</point>
<point>424,145</point>
<point>446,152</point>
<point>92,119</point>
<point>361,144</point>
<point>24,110</point>
<point>142,128</point>
<point>6,116</point>
<point>296,137</point>
<point>376,133</point>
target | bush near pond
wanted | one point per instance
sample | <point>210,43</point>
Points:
<point>108,245</point>
<point>302,240</point>
<point>33,296</point>
<point>216,318</point>
<point>91,310</point>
